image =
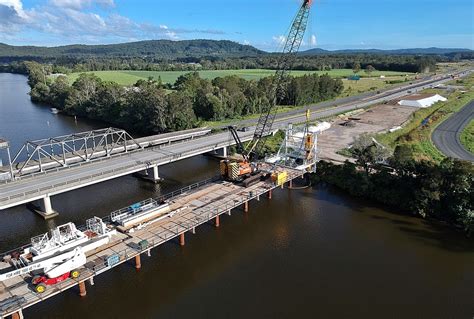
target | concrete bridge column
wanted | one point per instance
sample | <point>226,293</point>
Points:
<point>222,151</point>
<point>155,175</point>
<point>150,174</point>
<point>46,211</point>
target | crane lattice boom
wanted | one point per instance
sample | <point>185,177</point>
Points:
<point>291,47</point>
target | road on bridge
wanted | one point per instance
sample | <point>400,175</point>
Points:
<point>446,136</point>
<point>52,183</point>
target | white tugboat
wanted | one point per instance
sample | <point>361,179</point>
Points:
<point>57,255</point>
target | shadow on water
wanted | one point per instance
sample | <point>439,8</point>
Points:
<point>428,232</point>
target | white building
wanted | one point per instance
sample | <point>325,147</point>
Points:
<point>421,100</point>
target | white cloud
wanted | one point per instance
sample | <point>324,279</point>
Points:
<point>246,42</point>
<point>78,21</point>
<point>80,4</point>
<point>279,39</point>
<point>312,40</point>
<point>12,16</point>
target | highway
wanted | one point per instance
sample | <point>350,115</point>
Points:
<point>58,181</point>
<point>446,136</point>
<point>326,108</point>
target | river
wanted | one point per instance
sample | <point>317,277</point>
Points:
<point>310,253</point>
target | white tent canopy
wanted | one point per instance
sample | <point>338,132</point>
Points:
<point>421,100</point>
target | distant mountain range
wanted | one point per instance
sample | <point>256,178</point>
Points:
<point>436,51</point>
<point>152,48</point>
<point>176,50</point>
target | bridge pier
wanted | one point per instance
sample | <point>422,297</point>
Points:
<point>222,151</point>
<point>18,315</point>
<point>47,211</point>
<point>138,262</point>
<point>82,289</point>
<point>182,241</point>
<point>246,207</point>
<point>150,174</point>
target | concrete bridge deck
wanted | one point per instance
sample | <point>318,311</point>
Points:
<point>56,182</point>
<point>201,203</point>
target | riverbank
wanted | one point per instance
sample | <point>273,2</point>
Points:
<point>438,191</point>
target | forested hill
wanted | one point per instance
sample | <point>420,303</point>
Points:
<point>415,51</point>
<point>160,49</point>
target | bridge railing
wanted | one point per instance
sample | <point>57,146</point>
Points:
<point>99,159</point>
<point>139,165</point>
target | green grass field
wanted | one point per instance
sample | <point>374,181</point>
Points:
<point>467,137</point>
<point>131,77</point>
<point>418,136</point>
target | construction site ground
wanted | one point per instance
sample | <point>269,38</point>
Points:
<point>345,128</point>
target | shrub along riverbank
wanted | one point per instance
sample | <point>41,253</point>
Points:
<point>442,191</point>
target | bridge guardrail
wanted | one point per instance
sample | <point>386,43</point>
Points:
<point>100,159</point>
<point>135,167</point>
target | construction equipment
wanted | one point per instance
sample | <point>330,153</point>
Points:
<point>56,256</point>
<point>60,268</point>
<point>239,170</point>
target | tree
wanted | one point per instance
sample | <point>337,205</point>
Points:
<point>82,92</point>
<point>37,73</point>
<point>59,91</point>
<point>145,109</point>
<point>368,152</point>
<point>356,67</point>
<point>40,93</point>
<point>180,114</point>
<point>369,69</point>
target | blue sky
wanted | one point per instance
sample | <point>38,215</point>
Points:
<point>334,24</point>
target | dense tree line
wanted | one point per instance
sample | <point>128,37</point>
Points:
<point>148,108</point>
<point>326,62</point>
<point>443,191</point>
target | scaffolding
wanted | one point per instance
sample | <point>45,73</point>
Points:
<point>72,148</point>
<point>299,149</point>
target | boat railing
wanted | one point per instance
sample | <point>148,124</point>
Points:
<point>108,219</point>
<point>39,241</point>
<point>132,209</point>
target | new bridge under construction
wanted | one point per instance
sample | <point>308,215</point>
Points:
<point>186,209</point>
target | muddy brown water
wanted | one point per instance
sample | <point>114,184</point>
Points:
<point>310,253</point>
